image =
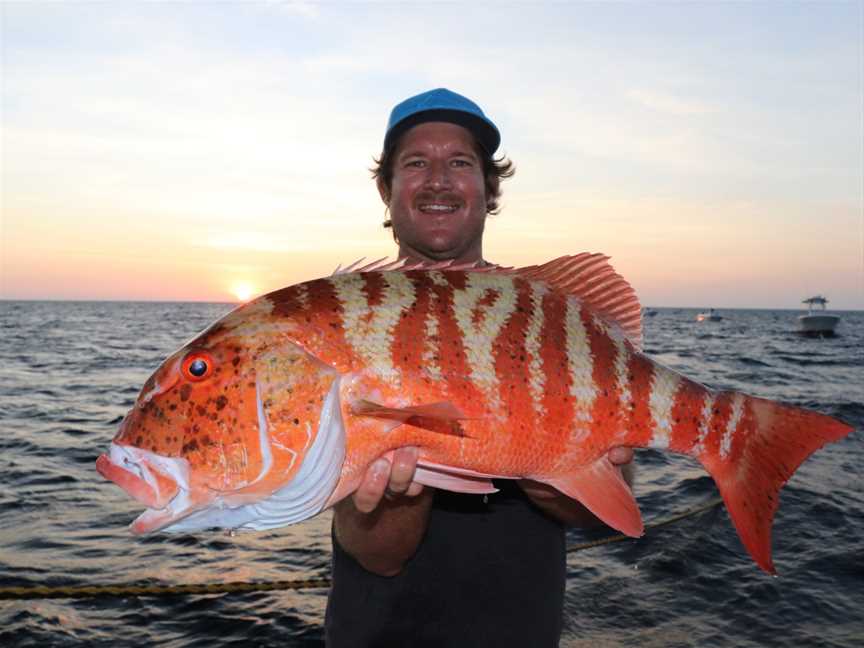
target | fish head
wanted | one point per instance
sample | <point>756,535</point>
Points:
<point>224,424</point>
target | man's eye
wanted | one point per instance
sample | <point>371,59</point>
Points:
<point>417,164</point>
<point>461,163</point>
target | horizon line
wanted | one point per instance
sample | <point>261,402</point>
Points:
<point>238,303</point>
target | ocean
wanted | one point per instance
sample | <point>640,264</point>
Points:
<point>70,370</point>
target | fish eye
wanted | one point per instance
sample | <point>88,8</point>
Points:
<point>197,366</point>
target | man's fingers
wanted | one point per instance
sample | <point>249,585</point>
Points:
<point>372,488</point>
<point>402,473</point>
<point>621,455</point>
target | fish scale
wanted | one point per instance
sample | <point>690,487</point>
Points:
<point>491,372</point>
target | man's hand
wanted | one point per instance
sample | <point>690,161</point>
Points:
<point>388,479</point>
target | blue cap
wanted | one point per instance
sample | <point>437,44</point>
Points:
<point>444,105</point>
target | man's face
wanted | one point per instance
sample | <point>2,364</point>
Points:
<point>438,199</point>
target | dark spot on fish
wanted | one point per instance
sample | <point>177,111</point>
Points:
<point>185,392</point>
<point>221,402</point>
<point>139,440</point>
<point>172,406</point>
<point>201,410</point>
<point>192,446</point>
<point>235,360</point>
<point>296,421</point>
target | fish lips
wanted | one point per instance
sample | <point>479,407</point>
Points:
<point>151,479</point>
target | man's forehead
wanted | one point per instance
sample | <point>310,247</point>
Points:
<point>437,135</point>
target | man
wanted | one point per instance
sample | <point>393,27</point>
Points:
<point>415,566</point>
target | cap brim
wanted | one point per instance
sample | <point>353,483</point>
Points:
<point>485,133</point>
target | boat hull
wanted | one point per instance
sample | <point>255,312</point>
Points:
<point>817,324</point>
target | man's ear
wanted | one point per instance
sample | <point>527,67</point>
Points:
<point>383,191</point>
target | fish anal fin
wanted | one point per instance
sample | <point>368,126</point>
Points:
<point>603,491</point>
<point>440,417</point>
<point>592,279</point>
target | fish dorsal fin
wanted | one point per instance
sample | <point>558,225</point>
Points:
<point>591,278</point>
<point>404,265</point>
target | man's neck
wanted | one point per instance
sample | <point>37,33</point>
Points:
<point>469,256</point>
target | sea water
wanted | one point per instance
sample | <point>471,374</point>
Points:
<point>70,370</point>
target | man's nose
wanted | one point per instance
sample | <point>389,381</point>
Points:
<point>439,176</point>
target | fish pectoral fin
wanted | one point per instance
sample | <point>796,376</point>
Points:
<point>603,491</point>
<point>453,479</point>
<point>441,417</point>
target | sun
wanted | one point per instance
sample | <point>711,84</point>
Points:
<point>243,290</point>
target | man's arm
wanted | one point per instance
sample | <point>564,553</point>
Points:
<point>382,524</point>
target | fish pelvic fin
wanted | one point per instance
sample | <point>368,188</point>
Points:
<point>753,469</point>
<point>458,480</point>
<point>601,488</point>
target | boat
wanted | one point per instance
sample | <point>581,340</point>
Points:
<point>648,312</point>
<point>817,322</point>
<point>709,316</point>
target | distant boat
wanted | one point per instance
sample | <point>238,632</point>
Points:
<point>709,316</point>
<point>648,312</point>
<point>817,322</point>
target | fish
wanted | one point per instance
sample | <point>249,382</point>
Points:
<point>275,411</point>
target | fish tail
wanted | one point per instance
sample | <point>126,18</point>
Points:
<point>751,448</point>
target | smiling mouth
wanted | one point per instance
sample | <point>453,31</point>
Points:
<point>437,208</point>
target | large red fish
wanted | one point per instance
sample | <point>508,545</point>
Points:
<point>275,412</point>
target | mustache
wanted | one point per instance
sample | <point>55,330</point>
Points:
<point>441,196</point>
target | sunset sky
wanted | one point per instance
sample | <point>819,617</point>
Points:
<point>198,151</point>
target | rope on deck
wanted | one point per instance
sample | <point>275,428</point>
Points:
<point>17,593</point>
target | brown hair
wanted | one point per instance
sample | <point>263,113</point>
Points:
<point>494,171</point>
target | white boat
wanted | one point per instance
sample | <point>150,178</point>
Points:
<point>817,321</point>
<point>709,316</point>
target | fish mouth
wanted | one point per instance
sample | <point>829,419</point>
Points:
<point>160,483</point>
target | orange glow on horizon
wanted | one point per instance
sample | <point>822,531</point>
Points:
<point>243,290</point>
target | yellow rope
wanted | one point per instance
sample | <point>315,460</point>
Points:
<point>95,591</point>
<point>621,537</point>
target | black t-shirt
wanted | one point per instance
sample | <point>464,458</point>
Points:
<point>487,573</point>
